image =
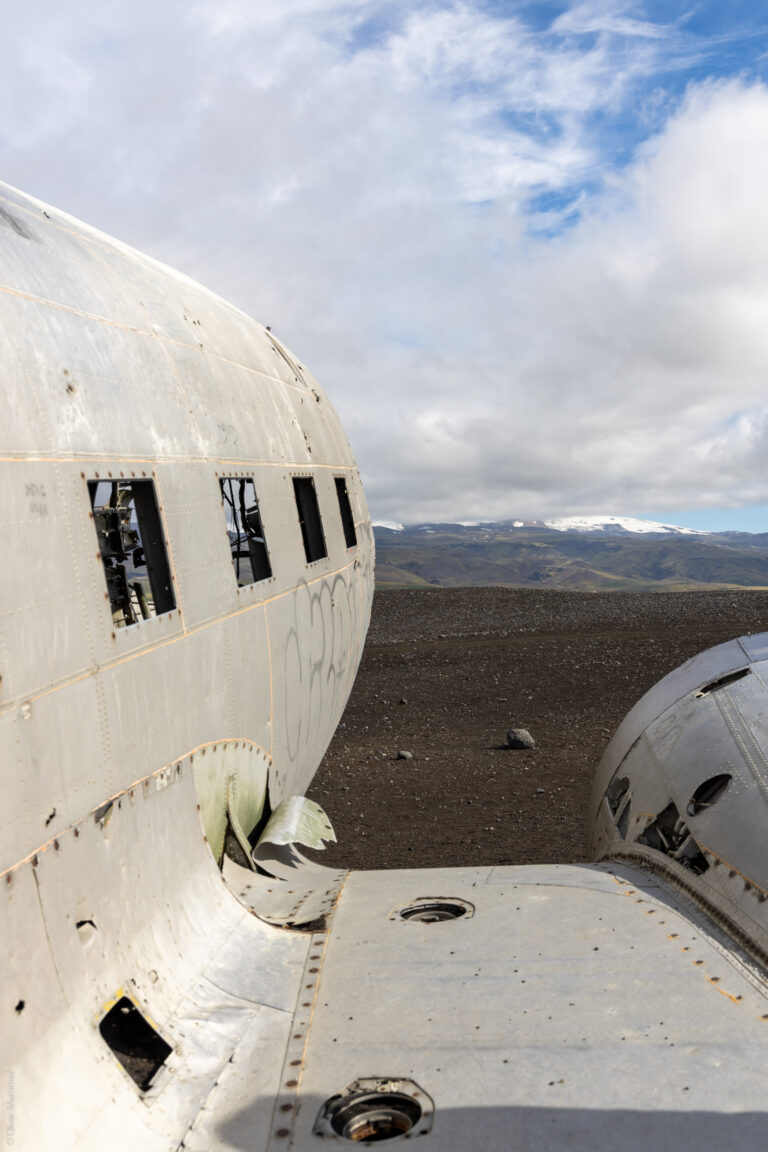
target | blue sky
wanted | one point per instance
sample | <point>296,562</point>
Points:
<point>754,519</point>
<point>523,246</point>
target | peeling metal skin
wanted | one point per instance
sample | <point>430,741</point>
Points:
<point>187,579</point>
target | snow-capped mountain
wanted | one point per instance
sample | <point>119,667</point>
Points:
<point>601,525</point>
<point>618,526</point>
<point>570,553</point>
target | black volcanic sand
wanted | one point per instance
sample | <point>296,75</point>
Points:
<point>471,663</point>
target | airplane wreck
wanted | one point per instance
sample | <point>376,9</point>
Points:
<point>188,571</point>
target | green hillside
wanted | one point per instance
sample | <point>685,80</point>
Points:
<point>453,556</point>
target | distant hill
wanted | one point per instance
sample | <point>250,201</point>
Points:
<point>584,553</point>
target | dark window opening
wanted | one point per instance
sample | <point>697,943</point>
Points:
<point>724,681</point>
<point>250,558</point>
<point>708,793</point>
<point>130,536</point>
<point>669,834</point>
<point>135,1043</point>
<point>309,518</point>
<point>616,791</point>
<point>345,508</point>
<point>618,798</point>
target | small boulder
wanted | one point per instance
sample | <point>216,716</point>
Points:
<point>520,738</point>
<point>405,755</point>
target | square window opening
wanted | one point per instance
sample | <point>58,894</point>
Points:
<point>250,558</point>
<point>130,535</point>
<point>345,508</point>
<point>309,518</point>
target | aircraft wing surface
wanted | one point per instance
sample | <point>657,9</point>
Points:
<point>579,1006</point>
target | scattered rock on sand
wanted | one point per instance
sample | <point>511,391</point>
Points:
<point>520,738</point>
<point>626,641</point>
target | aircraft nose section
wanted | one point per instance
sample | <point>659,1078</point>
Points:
<point>683,785</point>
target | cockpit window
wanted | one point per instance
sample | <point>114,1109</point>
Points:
<point>309,518</point>
<point>130,535</point>
<point>345,508</point>
<point>250,558</point>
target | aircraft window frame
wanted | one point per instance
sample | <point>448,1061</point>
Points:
<point>257,551</point>
<point>345,511</point>
<point>131,536</point>
<point>310,518</point>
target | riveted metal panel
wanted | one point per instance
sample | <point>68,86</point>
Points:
<point>117,368</point>
<point>51,776</point>
<point>44,634</point>
<point>689,677</point>
<point>572,1009</point>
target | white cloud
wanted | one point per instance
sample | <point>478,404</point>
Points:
<point>358,174</point>
<point>605,16</point>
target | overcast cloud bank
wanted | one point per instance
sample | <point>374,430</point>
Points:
<point>524,247</point>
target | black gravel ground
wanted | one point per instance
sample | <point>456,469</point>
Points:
<point>445,673</point>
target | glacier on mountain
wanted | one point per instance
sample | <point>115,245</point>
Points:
<point>618,526</point>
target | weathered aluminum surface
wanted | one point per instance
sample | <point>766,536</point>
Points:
<point>123,748</point>
<point>202,969</point>
<point>580,1007</point>
<point>706,719</point>
<point>688,679</point>
<point>114,365</point>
